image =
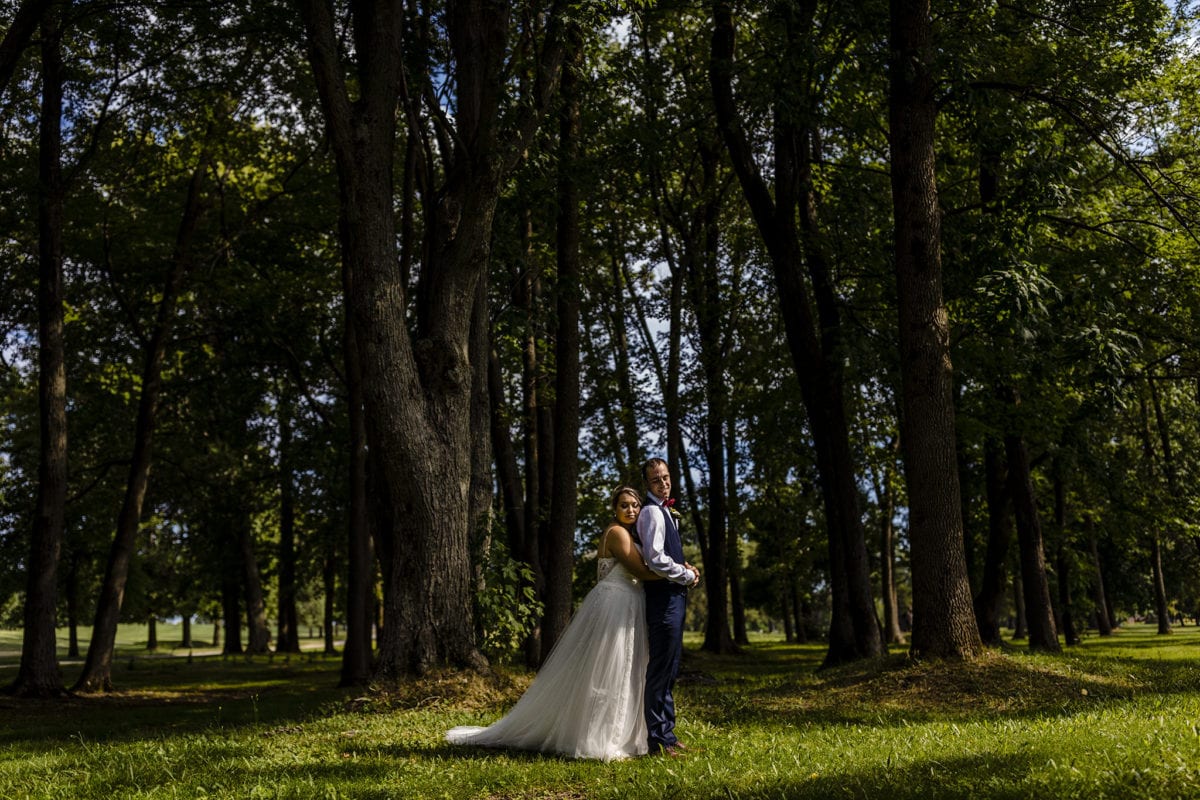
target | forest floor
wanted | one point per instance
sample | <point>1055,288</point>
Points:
<point>1115,717</point>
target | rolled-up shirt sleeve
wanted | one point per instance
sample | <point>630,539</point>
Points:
<point>652,530</point>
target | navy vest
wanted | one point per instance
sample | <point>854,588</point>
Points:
<point>672,546</point>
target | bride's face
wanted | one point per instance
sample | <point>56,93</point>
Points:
<point>627,509</point>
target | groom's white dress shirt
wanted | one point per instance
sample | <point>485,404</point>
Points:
<point>652,530</point>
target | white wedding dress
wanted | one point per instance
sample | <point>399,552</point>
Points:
<point>586,701</point>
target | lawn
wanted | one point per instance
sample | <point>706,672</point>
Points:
<point>1112,718</point>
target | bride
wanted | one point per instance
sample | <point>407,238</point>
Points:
<point>586,700</point>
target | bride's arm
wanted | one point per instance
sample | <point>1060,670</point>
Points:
<point>622,547</point>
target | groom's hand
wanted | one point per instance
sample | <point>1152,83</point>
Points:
<point>695,572</point>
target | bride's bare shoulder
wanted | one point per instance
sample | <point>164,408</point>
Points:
<point>614,529</point>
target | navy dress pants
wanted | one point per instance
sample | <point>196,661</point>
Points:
<point>664,626</point>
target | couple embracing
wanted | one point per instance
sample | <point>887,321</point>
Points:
<point>606,689</point>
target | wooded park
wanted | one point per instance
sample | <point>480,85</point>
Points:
<point>336,324</point>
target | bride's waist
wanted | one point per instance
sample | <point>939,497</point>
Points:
<point>623,578</point>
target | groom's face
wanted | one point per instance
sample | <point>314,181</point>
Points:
<point>658,478</point>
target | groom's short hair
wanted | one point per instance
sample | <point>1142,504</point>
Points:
<point>649,465</point>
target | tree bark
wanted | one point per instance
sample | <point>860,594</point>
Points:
<point>1104,623</point>
<point>707,306</point>
<point>814,340</point>
<point>418,381</point>
<point>885,491</point>
<point>991,588</point>
<point>943,617</point>
<point>19,34</point>
<point>97,669</point>
<point>288,634</point>
<point>507,473</point>
<point>568,288</point>
<point>360,595</point>
<point>72,593</point>
<point>152,633</point>
<point>230,608</point>
<point>626,413</point>
<point>258,635</point>
<point>1039,611</point>
<point>1062,561</point>
<point>737,603</point>
<point>533,415</point>
<point>1161,610</point>
<point>329,579</point>
<point>38,674</point>
<point>186,638</point>
<point>1021,624</point>
<point>1156,570</point>
<point>785,605</point>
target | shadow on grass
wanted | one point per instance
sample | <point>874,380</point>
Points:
<point>776,687</point>
<point>177,698</point>
<point>979,776</point>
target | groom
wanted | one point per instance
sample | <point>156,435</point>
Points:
<point>665,605</point>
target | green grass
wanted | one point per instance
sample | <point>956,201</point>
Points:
<point>1112,718</point>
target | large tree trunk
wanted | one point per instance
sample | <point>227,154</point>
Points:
<point>360,595</point>
<point>38,674</point>
<point>230,607</point>
<point>564,494</point>
<point>186,637</point>
<point>992,587</point>
<point>97,669</point>
<point>814,339</point>
<point>287,624</point>
<point>418,379</point>
<point>1039,611</point>
<point>943,617</point>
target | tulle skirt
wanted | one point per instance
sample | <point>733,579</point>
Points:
<point>586,702</point>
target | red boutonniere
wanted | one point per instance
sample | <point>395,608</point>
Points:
<point>669,505</point>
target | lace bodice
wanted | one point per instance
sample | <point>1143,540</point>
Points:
<point>604,565</point>
<point>609,569</point>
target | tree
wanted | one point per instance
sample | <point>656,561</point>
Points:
<point>28,16</point>
<point>97,669</point>
<point>943,619</point>
<point>814,334</point>
<point>417,383</point>
<point>38,673</point>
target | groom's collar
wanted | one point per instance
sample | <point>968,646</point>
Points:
<point>658,501</point>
